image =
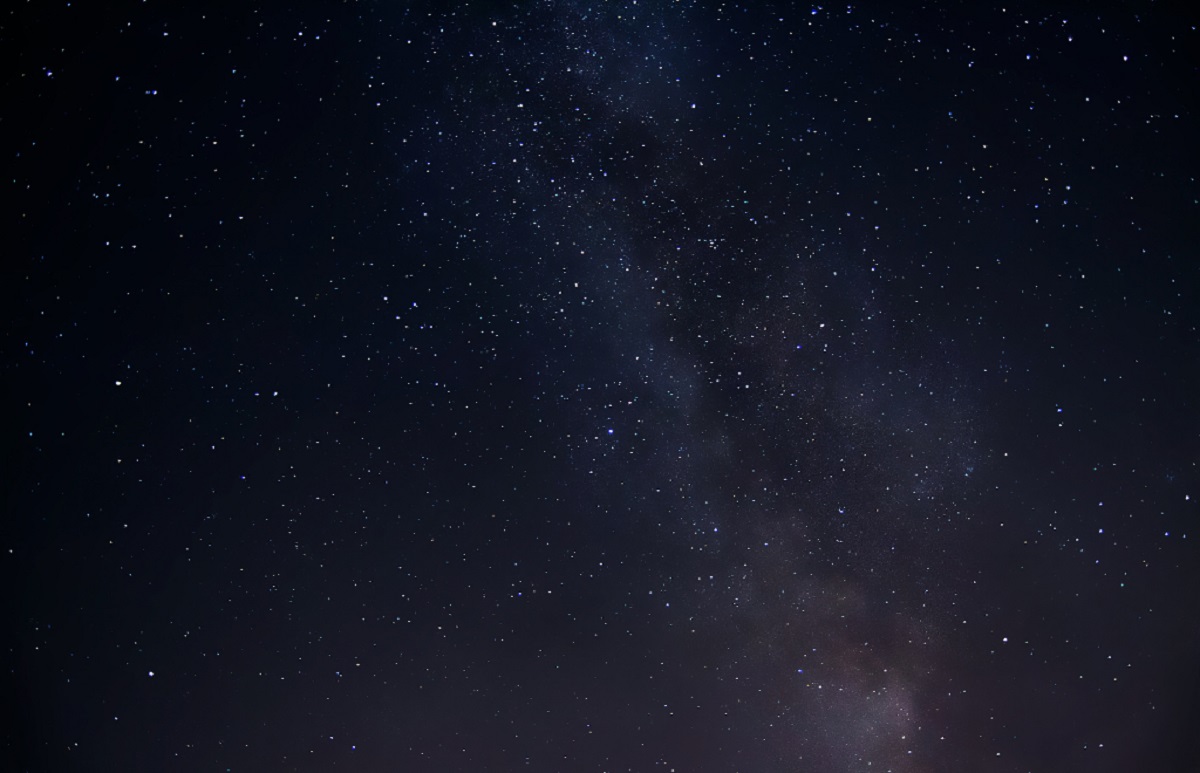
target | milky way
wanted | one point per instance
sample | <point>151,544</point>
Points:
<point>627,386</point>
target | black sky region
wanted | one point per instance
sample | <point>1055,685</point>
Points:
<point>625,386</point>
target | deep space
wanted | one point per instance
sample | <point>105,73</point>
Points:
<point>556,385</point>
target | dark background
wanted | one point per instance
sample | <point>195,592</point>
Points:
<point>633,386</point>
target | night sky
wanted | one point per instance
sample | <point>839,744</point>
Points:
<point>624,386</point>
